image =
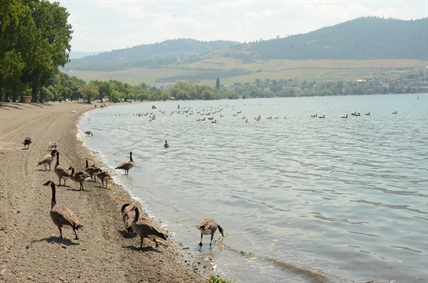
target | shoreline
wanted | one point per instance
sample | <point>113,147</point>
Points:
<point>30,247</point>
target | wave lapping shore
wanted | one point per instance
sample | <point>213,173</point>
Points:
<point>30,246</point>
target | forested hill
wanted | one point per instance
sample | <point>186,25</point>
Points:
<point>157,54</point>
<point>368,38</point>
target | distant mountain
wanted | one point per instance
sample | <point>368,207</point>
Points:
<point>367,38</point>
<point>78,54</point>
<point>158,54</point>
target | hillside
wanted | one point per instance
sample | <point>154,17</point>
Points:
<point>153,55</point>
<point>367,38</point>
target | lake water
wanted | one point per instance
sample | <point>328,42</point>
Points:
<point>301,199</point>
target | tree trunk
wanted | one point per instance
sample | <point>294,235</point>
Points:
<point>41,95</point>
<point>34,91</point>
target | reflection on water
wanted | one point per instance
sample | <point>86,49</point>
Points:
<point>344,199</point>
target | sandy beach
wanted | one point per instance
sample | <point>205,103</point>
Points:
<point>30,247</point>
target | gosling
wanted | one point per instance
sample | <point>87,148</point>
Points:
<point>79,177</point>
<point>208,227</point>
<point>104,177</point>
<point>92,171</point>
<point>27,142</point>
<point>61,171</point>
<point>47,159</point>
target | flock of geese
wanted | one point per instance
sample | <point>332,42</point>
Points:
<point>63,216</point>
<point>212,111</point>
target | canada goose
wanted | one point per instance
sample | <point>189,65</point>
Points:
<point>166,145</point>
<point>89,133</point>
<point>62,215</point>
<point>322,117</point>
<point>346,116</point>
<point>314,116</point>
<point>47,159</point>
<point>368,114</point>
<point>392,113</point>
<point>104,177</point>
<point>127,165</point>
<point>208,227</point>
<point>27,142</point>
<point>92,171</point>
<point>79,177</point>
<point>146,229</point>
<point>61,171</point>
<point>52,144</point>
<point>128,215</point>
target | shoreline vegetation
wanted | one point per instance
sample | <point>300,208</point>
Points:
<point>31,249</point>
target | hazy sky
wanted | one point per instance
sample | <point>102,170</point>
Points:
<point>103,25</point>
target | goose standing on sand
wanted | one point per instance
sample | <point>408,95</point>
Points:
<point>92,171</point>
<point>79,177</point>
<point>27,142</point>
<point>52,144</point>
<point>127,165</point>
<point>47,159</point>
<point>62,215</point>
<point>146,229</point>
<point>104,177</point>
<point>166,145</point>
<point>208,227</point>
<point>128,215</point>
<point>61,171</point>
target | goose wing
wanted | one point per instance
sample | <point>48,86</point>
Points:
<point>207,224</point>
<point>151,229</point>
<point>46,159</point>
<point>62,215</point>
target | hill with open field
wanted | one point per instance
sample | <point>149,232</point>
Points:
<point>148,55</point>
<point>367,38</point>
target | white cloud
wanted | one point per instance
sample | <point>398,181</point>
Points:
<point>260,15</point>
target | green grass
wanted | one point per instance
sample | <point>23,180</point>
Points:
<point>310,70</point>
<point>214,279</point>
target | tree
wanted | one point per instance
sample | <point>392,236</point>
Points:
<point>47,43</point>
<point>89,91</point>
<point>217,84</point>
<point>12,16</point>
